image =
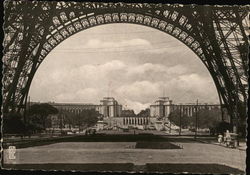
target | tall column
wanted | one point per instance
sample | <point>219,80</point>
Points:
<point>111,111</point>
<point>168,110</point>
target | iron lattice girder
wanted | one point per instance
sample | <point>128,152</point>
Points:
<point>41,27</point>
<point>216,69</point>
<point>224,73</point>
<point>232,36</point>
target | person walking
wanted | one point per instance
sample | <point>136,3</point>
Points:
<point>227,138</point>
<point>220,138</point>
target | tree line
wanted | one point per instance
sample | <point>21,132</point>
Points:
<point>38,118</point>
<point>83,119</point>
<point>203,119</point>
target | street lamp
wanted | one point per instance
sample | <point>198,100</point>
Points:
<point>180,120</point>
<point>236,119</point>
<point>170,126</point>
<point>196,119</point>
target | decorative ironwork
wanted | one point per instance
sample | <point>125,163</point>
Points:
<point>216,34</point>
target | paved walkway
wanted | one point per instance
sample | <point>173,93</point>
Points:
<point>242,145</point>
<point>124,152</point>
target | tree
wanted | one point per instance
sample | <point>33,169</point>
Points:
<point>70,118</point>
<point>87,118</point>
<point>185,121</point>
<point>223,126</point>
<point>174,117</point>
<point>128,113</point>
<point>208,118</point>
<point>90,118</point>
<point>38,114</point>
<point>12,123</point>
<point>144,113</point>
<point>242,125</point>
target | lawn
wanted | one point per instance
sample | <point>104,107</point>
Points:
<point>156,145</point>
<point>82,138</point>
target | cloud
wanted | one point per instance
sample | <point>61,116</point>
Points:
<point>141,69</point>
<point>155,72</point>
<point>135,45</point>
<point>169,49</point>
<point>96,43</point>
<point>177,69</point>
<point>189,87</point>
<point>83,95</point>
<point>139,84</point>
<point>134,105</point>
<point>134,67</point>
<point>140,91</point>
<point>157,68</point>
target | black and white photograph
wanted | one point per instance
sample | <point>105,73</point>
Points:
<point>125,87</point>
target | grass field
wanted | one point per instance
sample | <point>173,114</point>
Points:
<point>156,145</point>
<point>102,137</point>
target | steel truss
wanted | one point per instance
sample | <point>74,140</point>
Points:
<point>216,34</point>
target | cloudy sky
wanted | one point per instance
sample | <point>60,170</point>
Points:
<point>133,63</point>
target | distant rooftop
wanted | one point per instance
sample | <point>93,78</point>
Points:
<point>67,103</point>
<point>108,98</point>
<point>163,98</point>
<point>83,104</point>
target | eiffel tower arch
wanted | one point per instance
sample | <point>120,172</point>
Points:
<point>216,34</point>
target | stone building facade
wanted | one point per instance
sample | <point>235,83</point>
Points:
<point>75,107</point>
<point>110,110</point>
<point>162,107</point>
<point>109,107</point>
<point>113,116</point>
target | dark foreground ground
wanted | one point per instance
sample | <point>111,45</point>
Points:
<point>124,167</point>
<point>141,152</point>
